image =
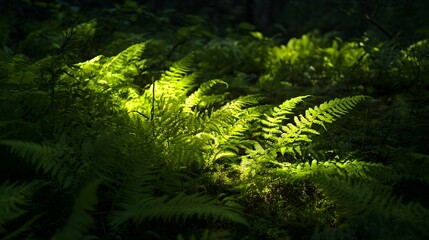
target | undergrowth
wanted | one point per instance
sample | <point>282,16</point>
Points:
<point>185,134</point>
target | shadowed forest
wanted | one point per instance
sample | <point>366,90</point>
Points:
<point>214,120</point>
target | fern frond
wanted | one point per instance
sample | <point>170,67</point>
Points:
<point>111,77</point>
<point>365,195</point>
<point>176,81</point>
<point>46,159</point>
<point>372,211</point>
<point>185,151</point>
<point>144,196</point>
<point>21,230</point>
<point>179,208</point>
<point>200,95</point>
<point>229,113</point>
<point>39,155</point>
<point>233,135</point>
<point>351,169</point>
<point>13,197</point>
<point>180,68</point>
<point>226,126</point>
<point>125,64</point>
<point>131,55</point>
<point>80,220</point>
<point>241,125</point>
<point>274,120</point>
<point>172,87</point>
<point>327,112</point>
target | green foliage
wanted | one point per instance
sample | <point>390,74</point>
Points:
<point>51,160</point>
<point>80,220</point>
<point>179,208</point>
<point>287,138</point>
<point>33,152</point>
<point>13,198</point>
<point>140,125</point>
<point>201,99</point>
<point>372,212</point>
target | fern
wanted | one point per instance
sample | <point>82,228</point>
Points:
<point>47,159</point>
<point>199,97</point>
<point>167,92</point>
<point>155,192</point>
<point>228,114</point>
<point>372,212</point>
<point>175,82</point>
<point>235,135</point>
<point>285,137</point>
<point>179,208</point>
<point>13,198</point>
<point>126,64</point>
<point>348,168</point>
<point>327,112</point>
<point>80,220</point>
<point>39,155</point>
<point>274,120</point>
<point>22,229</point>
<point>282,137</point>
<point>187,134</point>
<point>226,127</point>
<point>139,204</point>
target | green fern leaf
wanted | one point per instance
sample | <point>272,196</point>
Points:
<point>274,120</point>
<point>13,197</point>
<point>39,155</point>
<point>351,169</point>
<point>45,158</point>
<point>125,65</point>
<point>80,220</point>
<point>327,112</point>
<point>373,211</point>
<point>179,208</point>
<point>200,96</point>
<point>22,229</point>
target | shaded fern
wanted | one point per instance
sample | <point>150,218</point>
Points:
<point>181,207</point>
<point>372,212</point>
<point>13,199</point>
<point>47,159</point>
<point>39,155</point>
<point>80,220</point>
<point>144,197</point>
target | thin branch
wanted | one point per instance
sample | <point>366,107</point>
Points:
<point>378,26</point>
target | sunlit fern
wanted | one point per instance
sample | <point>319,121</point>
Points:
<point>287,136</point>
